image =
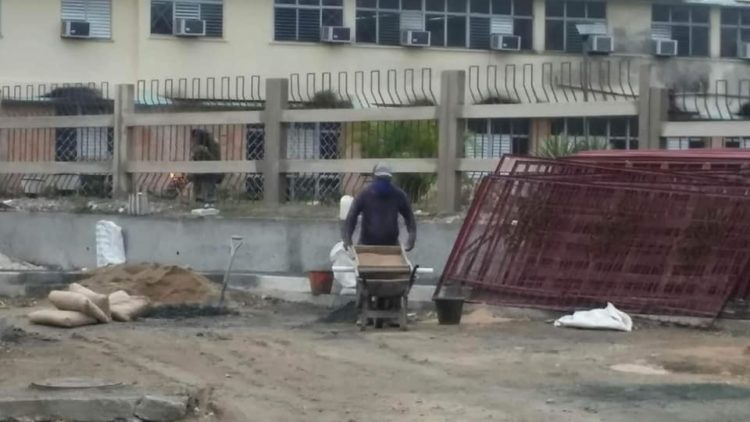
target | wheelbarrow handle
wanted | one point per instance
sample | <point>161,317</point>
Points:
<point>348,269</point>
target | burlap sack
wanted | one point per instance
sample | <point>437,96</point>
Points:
<point>100,300</point>
<point>63,319</point>
<point>125,307</point>
<point>70,301</point>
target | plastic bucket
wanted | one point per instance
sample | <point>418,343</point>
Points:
<point>321,282</point>
<point>449,310</point>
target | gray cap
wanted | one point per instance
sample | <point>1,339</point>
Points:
<point>382,169</point>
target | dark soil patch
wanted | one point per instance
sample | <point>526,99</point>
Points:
<point>343,314</point>
<point>664,392</point>
<point>183,311</point>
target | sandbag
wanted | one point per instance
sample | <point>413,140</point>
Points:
<point>125,307</point>
<point>70,301</point>
<point>100,300</point>
<point>119,296</point>
<point>63,319</point>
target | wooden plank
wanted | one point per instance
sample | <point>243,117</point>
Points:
<point>239,166</point>
<point>360,115</point>
<point>55,167</point>
<point>550,110</point>
<point>51,122</point>
<point>361,165</point>
<point>193,119</point>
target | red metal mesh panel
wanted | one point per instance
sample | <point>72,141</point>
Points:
<point>561,243</point>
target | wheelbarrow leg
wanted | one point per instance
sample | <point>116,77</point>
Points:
<point>403,314</point>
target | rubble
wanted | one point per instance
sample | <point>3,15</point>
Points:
<point>161,408</point>
<point>9,264</point>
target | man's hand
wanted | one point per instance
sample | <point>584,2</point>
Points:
<point>409,246</point>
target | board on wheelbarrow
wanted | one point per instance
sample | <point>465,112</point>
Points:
<point>384,277</point>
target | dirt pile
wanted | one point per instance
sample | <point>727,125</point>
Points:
<point>163,284</point>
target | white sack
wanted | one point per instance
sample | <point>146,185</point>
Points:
<point>110,246</point>
<point>344,283</point>
<point>609,318</point>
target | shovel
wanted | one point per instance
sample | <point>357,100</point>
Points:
<point>234,244</point>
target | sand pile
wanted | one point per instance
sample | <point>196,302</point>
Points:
<point>483,316</point>
<point>163,284</point>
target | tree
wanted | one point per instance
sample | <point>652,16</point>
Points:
<point>388,140</point>
<point>559,146</point>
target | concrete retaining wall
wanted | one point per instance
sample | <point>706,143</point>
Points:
<point>271,246</point>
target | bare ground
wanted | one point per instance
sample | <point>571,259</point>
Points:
<point>272,362</point>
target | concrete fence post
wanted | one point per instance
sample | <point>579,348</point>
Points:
<point>659,111</point>
<point>450,140</point>
<point>653,109</point>
<point>277,100</point>
<point>644,106</point>
<point>122,183</point>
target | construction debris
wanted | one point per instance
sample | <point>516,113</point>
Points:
<point>609,318</point>
<point>652,232</point>
<point>9,264</point>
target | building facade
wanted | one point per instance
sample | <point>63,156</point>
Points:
<point>133,39</point>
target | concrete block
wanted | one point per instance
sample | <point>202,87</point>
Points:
<point>69,408</point>
<point>162,408</point>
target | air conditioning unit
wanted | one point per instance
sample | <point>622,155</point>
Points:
<point>665,48</point>
<point>190,27</point>
<point>505,42</point>
<point>336,34</point>
<point>75,29</point>
<point>744,52</point>
<point>600,44</point>
<point>411,38</point>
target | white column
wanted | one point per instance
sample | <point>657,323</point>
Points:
<point>714,32</point>
<point>539,32</point>
<point>350,15</point>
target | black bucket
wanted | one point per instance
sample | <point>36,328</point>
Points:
<point>449,310</point>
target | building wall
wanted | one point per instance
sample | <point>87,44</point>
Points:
<point>33,51</point>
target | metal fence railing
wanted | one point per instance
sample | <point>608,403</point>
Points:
<point>718,100</point>
<point>331,129</point>
<point>553,82</point>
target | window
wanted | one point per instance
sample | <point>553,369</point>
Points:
<point>735,30</point>
<point>300,20</point>
<point>562,18</point>
<point>493,138</point>
<point>688,25</point>
<point>451,23</point>
<point>164,13</point>
<point>684,143</point>
<point>743,143</point>
<point>618,132</point>
<point>98,13</point>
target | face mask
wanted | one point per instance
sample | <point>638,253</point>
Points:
<point>383,186</point>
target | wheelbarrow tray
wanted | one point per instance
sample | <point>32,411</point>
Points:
<point>383,272</point>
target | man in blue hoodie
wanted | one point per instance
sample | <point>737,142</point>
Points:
<point>380,204</point>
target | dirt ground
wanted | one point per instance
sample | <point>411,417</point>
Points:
<point>273,362</point>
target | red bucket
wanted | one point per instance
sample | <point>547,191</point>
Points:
<point>321,282</point>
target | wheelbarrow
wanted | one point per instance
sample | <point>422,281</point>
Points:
<point>384,278</point>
